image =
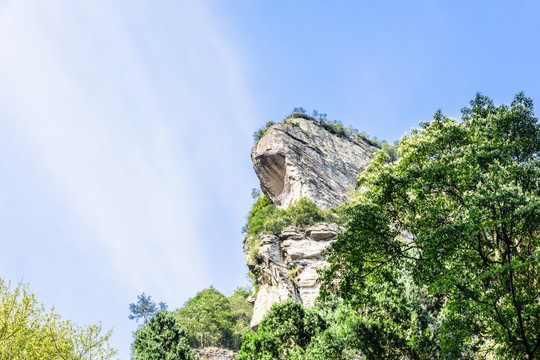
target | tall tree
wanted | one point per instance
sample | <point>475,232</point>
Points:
<point>162,339</point>
<point>284,333</point>
<point>145,308</point>
<point>466,196</point>
<point>209,319</point>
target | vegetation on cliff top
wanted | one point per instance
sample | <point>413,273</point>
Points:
<point>334,126</point>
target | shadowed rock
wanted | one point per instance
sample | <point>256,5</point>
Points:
<point>301,159</point>
<point>295,160</point>
<point>286,266</point>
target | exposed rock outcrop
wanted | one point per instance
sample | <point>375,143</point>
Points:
<point>215,354</point>
<point>300,158</point>
<point>294,160</point>
<point>286,266</point>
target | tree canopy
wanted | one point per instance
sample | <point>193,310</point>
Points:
<point>28,331</point>
<point>162,338</point>
<point>145,308</point>
<point>460,210</point>
<point>212,319</point>
<point>284,333</point>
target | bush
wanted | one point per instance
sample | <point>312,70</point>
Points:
<point>304,213</point>
<point>267,218</point>
<point>333,126</point>
<point>257,135</point>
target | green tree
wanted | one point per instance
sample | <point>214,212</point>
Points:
<point>28,331</point>
<point>284,333</point>
<point>162,339</point>
<point>212,319</point>
<point>385,316</point>
<point>466,195</point>
<point>145,308</point>
<point>257,135</point>
<point>242,311</point>
<point>208,318</point>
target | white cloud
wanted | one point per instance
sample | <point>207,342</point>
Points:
<point>126,191</point>
<point>97,118</point>
<point>138,119</point>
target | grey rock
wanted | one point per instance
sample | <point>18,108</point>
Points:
<point>213,353</point>
<point>286,267</point>
<point>294,160</point>
<point>301,159</point>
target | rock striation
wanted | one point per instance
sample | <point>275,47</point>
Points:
<point>286,267</point>
<point>215,354</point>
<point>300,158</point>
<point>294,160</point>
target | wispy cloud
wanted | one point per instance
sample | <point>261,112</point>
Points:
<point>135,127</point>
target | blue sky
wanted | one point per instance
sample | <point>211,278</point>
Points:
<point>126,127</point>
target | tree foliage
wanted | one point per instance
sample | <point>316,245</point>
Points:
<point>257,135</point>
<point>466,196</point>
<point>284,333</point>
<point>162,338</point>
<point>265,217</point>
<point>212,319</point>
<point>145,308</point>
<point>28,331</point>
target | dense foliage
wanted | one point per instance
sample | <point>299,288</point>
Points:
<point>286,330</point>
<point>162,338</point>
<point>401,322</point>
<point>27,331</point>
<point>265,217</point>
<point>466,196</point>
<point>212,319</point>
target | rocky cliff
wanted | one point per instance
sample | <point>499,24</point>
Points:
<point>300,158</point>
<point>292,160</point>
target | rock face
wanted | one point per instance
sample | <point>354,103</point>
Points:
<point>300,158</point>
<point>287,266</point>
<point>294,160</point>
<point>215,354</point>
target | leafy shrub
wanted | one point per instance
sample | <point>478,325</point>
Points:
<point>257,135</point>
<point>265,217</point>
<point>304,213</point>
<point>334,126</point>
